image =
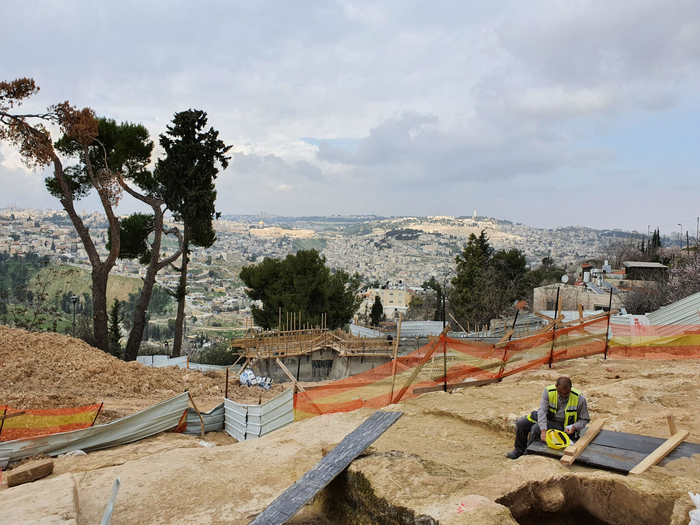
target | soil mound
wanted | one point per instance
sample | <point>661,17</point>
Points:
<point>47,370</point>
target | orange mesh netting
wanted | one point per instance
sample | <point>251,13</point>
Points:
<point>447,361</point>
<point>33,423</point>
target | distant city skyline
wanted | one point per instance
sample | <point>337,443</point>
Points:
<point>543,113</point>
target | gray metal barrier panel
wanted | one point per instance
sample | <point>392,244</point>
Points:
<point>213,420</point>
<point>253,421</point>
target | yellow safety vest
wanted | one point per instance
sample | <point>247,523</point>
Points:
<point>571,410</point>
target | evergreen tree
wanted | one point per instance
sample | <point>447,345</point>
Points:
<point>303,283</point>
<point>115,331</point>
<point>186,183</point>
<point>376,316</point>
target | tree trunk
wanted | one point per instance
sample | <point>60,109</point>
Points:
<point>99,308</point>
<point>133,344</point>
<point>181,294</point>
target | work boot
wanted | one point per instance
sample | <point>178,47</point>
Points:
<point>514,454</point>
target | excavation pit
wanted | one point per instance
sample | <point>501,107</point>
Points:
<point>577,500</point>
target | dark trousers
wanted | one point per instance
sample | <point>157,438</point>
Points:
<point>527,432</point>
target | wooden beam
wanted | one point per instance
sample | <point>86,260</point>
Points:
<point>453,386</point>
<point>201,419</point>
<point>573,451</point>
<point>16,414</point>
<point>29,472</point>
<point>580,312</point>
<point>505,337</point>
<point>456,321</point>
<point>550,319</point>
<point>396,353</point>
<point>419,367</point>
<point>660,453</point>
<point>672,424</point>
<point>289,375</point>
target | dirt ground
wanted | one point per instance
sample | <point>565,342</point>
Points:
<point>56,371</point>
<point>443,461</point>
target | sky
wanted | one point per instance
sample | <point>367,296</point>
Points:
<point>549,113</point>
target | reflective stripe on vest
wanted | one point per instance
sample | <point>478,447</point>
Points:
<point>571,410</point>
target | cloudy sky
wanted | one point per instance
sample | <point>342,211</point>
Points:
<point>550,113</point>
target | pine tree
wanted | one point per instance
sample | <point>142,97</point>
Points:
<point>376,316</point>
<point>115,331</point>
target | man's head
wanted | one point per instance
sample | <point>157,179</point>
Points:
<point>563,386</point>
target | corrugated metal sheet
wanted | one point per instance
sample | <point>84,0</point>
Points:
<point>205,368</point>
<point>158,418</point>
<point>213,420</point>
<point>176,361</point>
<point>677,318</point>
<point>276,413</point>
<point>148,360</point>
<point>594,288</point>
<point>5,456</point>
<point>253,421</point>
<point>235,419</point>
<point>408,329</point>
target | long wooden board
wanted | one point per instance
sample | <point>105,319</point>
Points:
<point>660,453</point>
<point>325,471</point>
<point>619,451</point>
<point>573,451</point>
<point>453,386</point>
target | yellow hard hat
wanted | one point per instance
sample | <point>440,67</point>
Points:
<point>557,439</point>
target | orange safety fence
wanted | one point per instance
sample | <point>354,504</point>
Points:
<point>33,423</point>
<point>644,341</point>
<point>447,361</point>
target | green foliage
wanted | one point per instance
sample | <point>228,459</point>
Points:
<point>30,292</point>
<point>301,283</point>
<point>124,148</point>
<point>487,281</point>
<point>436,301</point>
<point>376,315</point>
<point>133,234</point>
<point>186,175</point>
<point>216,354</point>
<point>115,331</point>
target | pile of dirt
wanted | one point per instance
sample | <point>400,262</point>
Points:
<point>47,370</point>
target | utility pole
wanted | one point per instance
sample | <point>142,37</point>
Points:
<point>444,308</point>
<point>74,299</point>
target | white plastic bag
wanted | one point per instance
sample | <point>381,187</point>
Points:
<point>247,378</point>
<point>695,514</point>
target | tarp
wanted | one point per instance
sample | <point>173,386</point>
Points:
<point>33,423</point>
<point>213,420</point>
<point>252,421</point>
<point>167,415</point>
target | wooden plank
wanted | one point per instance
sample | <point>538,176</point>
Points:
<point>453,386</point>
<point>505,337</point>
<point>574,451</point>
<point>596,456</point>
<point>419,367</point>
<point>201,419</point>
<point>631,449</point>
<point>16,414</point>
<point>396,352</point>
<point>326,470</point>
<point>289,375</point>
<point>660,453</point>
<point>672,424</point>
<point>29,472</point>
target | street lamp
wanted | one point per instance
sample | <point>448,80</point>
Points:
<point>444,307</point>
<point>74,298</point>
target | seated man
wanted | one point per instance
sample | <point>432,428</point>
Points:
<point>561,407</point>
